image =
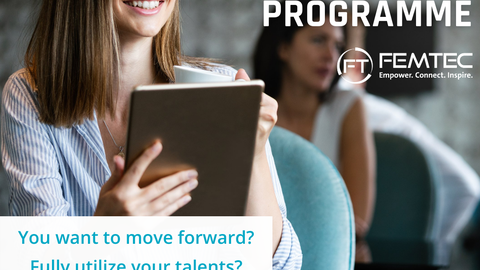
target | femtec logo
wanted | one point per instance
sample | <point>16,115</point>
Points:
<point>344,64</point>
<point>405,61</point>
<point>444,61</point>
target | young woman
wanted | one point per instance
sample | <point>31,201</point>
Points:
<point>64,118</point>
<point>298,65</point>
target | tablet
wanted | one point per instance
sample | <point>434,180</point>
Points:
<point>210,127</point>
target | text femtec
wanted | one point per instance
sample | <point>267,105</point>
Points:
<point>443,60</point>
<point>360,9</point>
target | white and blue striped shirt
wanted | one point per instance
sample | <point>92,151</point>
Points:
<point>59,171</point>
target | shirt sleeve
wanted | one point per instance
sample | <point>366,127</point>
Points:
<point>289,252</point>
<point>28,155</point>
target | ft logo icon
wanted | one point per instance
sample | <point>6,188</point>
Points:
<point>358,59</point>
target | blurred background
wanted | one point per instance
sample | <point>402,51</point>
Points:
<point>228,30</point>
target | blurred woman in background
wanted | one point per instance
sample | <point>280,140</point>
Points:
<point>298,65</point>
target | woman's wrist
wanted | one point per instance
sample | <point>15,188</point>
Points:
<point>259,155</point>
<point>361,228</point>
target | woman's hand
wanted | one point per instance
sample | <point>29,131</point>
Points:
<point>267,119</point>
<point>121,195</point>
<point>262,200</point>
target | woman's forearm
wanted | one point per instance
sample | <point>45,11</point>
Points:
<point>362,193</point>
<point>261,197</point>
<point>357,165</point>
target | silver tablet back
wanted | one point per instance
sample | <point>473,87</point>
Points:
<point>210,127</point>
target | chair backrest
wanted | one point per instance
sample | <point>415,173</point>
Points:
<point>318,203</point>
<point>405,190</point>
<point>476,216</point>
<point>405,203</point>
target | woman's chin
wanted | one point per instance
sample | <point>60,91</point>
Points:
<point>149,33</point>
<point>148,29</point>
<point>321,87</point>
<point>140,32</point>
<point>322,90</point>
<point>324,84</point>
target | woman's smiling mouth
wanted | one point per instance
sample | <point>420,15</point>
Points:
<point>144,4</point>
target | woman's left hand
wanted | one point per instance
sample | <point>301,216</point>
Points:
<point>262,200</point>
<point>267,118</point>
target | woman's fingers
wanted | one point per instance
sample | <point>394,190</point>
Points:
<point>268,116</point>
<point>132,176</point>
<point>268,109</point>
<point>121,195</point>
<point>162,186</point>
<point>242,75</point>
<point>172,201</point>
<point>269,103</point>
<point>172,208</point>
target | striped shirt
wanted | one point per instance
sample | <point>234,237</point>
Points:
<point>59,171</point>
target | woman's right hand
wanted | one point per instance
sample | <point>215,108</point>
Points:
<point>121,195</point>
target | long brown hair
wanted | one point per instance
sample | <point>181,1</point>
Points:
<point>73,59</point>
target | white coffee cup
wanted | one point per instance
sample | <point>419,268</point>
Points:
<point>192,75</point>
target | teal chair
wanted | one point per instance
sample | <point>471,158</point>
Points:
<point>318,203</point>
<point>476,216</point>
<point>407,197</point>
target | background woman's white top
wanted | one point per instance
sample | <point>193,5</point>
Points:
<point>327,128</point>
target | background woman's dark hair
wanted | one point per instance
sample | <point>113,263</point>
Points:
<point>267,64</point>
